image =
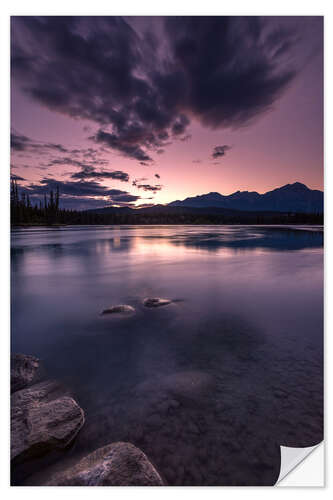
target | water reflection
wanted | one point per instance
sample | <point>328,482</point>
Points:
<point>278,239</point>
<point>208,387</point>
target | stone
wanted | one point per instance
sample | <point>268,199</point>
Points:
<point>156,302</point>
<point>117,464</point>
<point>189,385</point>
<point>43,419</point>
<point>25,370</point>
<point>119,309</point>
<point>193,428</point>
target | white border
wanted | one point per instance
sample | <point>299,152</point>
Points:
<point>145,7</point>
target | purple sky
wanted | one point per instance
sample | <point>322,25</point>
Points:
<point>149,110</point>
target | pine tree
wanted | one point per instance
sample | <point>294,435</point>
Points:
<point>51,200</point>
<point>57,199</point>
<point>12,193</point>
<point>16,193</point>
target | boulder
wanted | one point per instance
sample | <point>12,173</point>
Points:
<point>43,418</point>
<point>25,370</point>
<point>119,309</point>
<point>156,302</point>
<point>117,464</point>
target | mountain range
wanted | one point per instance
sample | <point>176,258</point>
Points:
<point>296,197</point>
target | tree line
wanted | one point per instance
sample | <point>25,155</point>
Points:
<point>23,211</point>
<point>48,212</point>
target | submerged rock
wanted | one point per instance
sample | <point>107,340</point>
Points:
<point>119,309</point>
<point>117,464</point>
<point>156,302</point>
<point>25,370</point>
<point>190,385</point>
<point>43,418</point>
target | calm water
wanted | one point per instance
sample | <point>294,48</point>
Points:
<point>208,387</point>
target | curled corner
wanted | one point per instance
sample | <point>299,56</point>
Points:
<point>291,458</point>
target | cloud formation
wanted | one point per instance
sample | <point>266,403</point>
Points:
<point>125,143</point>
<point>143,89</point>
<point>220,151</point>
<point>139,183</point>
<point>89,172</point>
<point>19,142</point>
<point>149,187</point>
<point>87,159</point>
<point>87,192</point>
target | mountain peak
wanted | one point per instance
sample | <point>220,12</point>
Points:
<point>296,186</point>
<point>296,197</point>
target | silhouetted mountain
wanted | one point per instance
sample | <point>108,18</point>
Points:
<point>166,214</point>
<point>110,210</point>
<point>295,197</point>
<point>50,213</point>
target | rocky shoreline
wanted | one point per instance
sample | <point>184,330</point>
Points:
<point>46,418</point>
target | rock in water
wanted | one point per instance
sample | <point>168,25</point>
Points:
<point>24,371</point>
<point>43,419</point>
<point>156,302</point>
<point>117,464</point>
<point>119,309</point>
<point>189,384</point>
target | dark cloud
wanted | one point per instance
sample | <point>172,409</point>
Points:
<point>135,182</point>
<point>15,177</point>
<point>75,203</point>
<point>220,151</point>
<point>225,71</point>
<point>149,187</point>
<point>123,144</point>
<point>87,159</point>
<point>231,65</point>
<point>89,172</point>
<point>73,162</point>
<point>19,142</point>
<point>81,191</point>
<point>180,125</point>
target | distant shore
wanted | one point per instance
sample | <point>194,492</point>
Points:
<point>44,224</point>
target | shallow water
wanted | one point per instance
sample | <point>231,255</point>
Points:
<point>209,386</point>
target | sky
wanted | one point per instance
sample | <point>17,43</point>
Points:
<point>145,110</point>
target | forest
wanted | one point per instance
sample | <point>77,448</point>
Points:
<point>48,212</point>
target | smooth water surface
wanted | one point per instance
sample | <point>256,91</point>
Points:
<point>209,386</point>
